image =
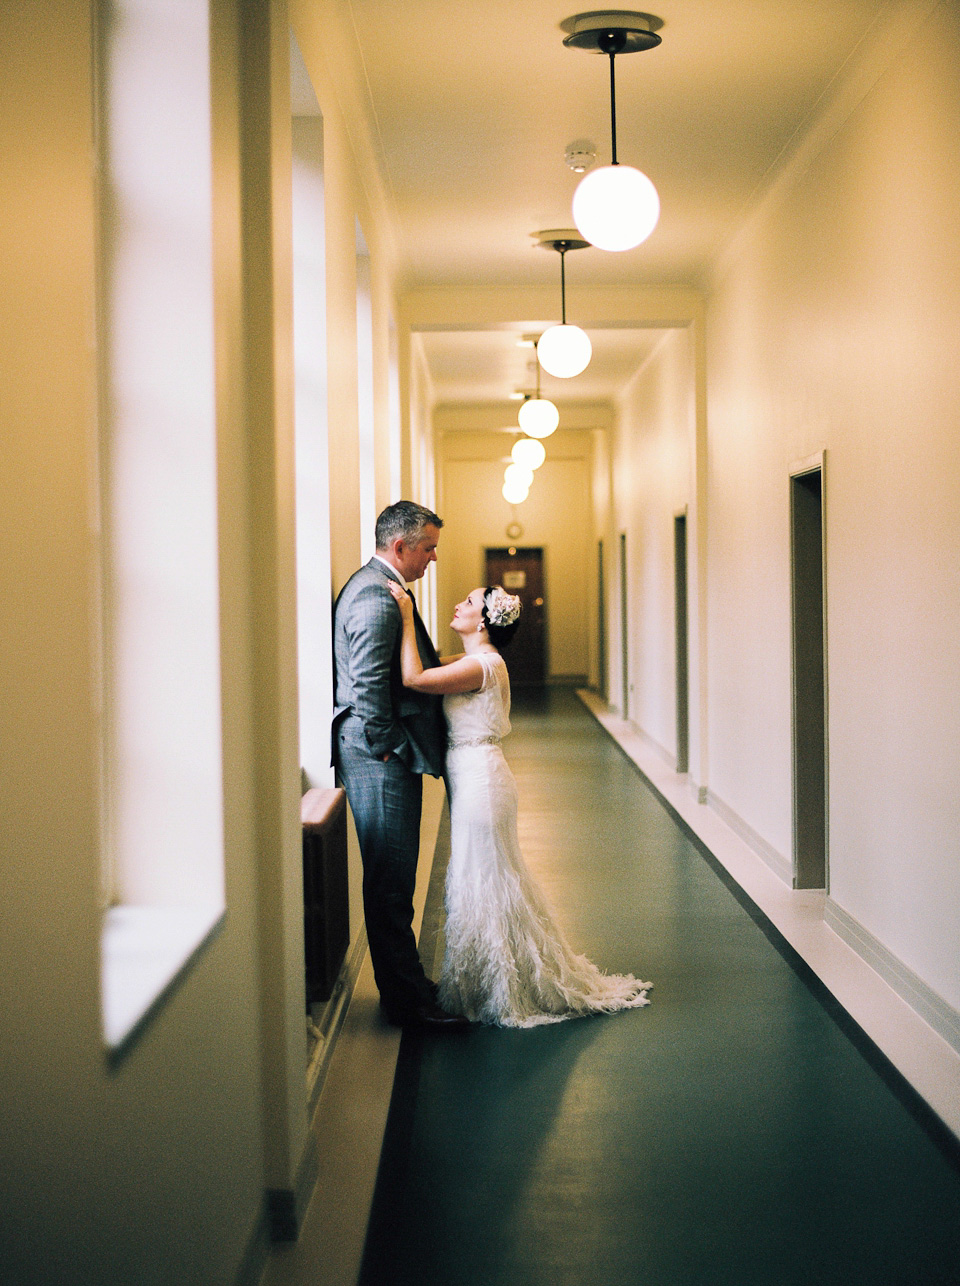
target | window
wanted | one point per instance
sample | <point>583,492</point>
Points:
<point>163,807</point>
<point>314,625</point>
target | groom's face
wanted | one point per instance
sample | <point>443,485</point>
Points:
<point>415,559</point>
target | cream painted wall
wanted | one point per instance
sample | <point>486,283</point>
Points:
<point>834,326</point>
<point>154,1166</point>
<point>352,193</point>
<point>557,515</point>
<point>653,445</point>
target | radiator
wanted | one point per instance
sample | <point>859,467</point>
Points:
<point>326,906</point>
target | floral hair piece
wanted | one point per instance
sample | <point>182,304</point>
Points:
<point>502,608</point>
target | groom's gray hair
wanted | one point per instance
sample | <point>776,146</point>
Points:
<point>405,520</point>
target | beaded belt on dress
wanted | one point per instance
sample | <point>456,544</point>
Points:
<point>474,741</point>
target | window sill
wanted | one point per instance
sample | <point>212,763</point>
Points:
<point>144,951</point>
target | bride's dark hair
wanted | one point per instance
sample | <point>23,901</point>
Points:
<point>499,635</point>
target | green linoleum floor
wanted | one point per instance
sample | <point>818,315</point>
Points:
<point>731,1134</point>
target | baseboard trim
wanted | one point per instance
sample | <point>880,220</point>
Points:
<point>780,865</point>
<point>939,1013</point>
<point>662,752</point>
<point>286,1207</point>
<point>256,1255</point>
<point>334,1014</point>
<point>874,989</point>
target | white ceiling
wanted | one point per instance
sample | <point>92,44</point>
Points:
<point>486,366</point>
<point>474,106</point>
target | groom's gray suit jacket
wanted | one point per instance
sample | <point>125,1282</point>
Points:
<point>368,684</point>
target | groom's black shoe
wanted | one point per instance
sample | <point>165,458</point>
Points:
<point>426,1017</point>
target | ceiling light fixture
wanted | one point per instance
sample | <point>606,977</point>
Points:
<point>515,487</point>
<point>563,351</point>
<point>615,206</point>
<point>528,453</point>
<point>538,416</point>
<point>517,474</point>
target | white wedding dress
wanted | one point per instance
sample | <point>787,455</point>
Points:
<point>506,960</point>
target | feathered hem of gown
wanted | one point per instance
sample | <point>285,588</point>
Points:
<point>509,965</point>
<point>626,992</point>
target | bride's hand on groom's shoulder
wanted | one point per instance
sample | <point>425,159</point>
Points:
<point>401,598</point>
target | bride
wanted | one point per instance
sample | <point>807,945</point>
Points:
<point>507,961</point>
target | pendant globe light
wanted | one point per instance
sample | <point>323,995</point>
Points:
<point>538,416</point>
<point>563,351</point>
<point>515,475</point>
<point>615,206</point>
<point>529,453</point>
<point>515,489</point>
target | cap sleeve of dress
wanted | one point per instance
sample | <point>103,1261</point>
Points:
<point>489,663</point>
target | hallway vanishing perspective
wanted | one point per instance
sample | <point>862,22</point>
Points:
<point>270,266</point>
<point>739,1130</point>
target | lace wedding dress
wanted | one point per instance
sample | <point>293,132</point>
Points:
<point>507,961</point>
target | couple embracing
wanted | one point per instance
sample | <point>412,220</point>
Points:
<point>402,711</point>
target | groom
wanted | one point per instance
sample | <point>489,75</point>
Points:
<point>384,737</point>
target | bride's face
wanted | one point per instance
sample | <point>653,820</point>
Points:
<point>468,614</point>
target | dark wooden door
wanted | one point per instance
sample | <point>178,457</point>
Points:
<point>520,571</point>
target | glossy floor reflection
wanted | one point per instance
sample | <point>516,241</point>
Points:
<point>735,1131</point>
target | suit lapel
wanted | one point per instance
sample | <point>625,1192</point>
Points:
<point>428,653</point>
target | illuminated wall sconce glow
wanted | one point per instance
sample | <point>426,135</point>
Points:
<point>529,453</point>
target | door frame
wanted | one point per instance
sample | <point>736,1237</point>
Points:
<point>485,551</point>
<point>681,622</point>
<point>803,877</point>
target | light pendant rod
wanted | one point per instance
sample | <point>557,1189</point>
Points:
<point>612,43</point>
<point>613,113</point>
<point>562,246</point>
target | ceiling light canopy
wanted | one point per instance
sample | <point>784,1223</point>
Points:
<point>615,207</point>
<point>563,351</point>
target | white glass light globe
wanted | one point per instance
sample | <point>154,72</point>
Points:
<point>538,416</point>
<point>564,351</point>
<point>514,493</point>
<point>516,474</point>
<point>529,453</point>
<point>615,207</point>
